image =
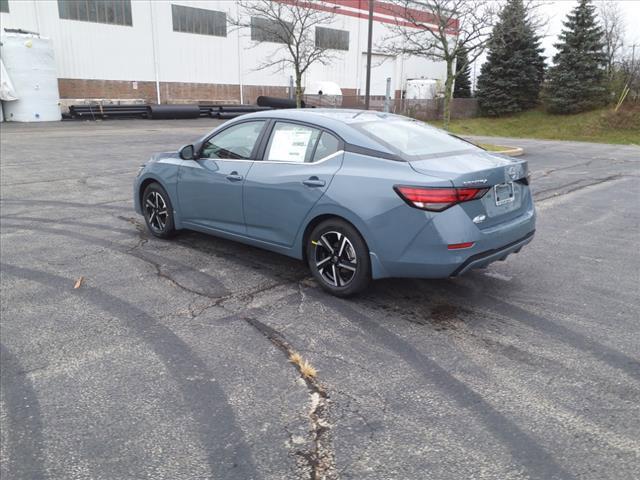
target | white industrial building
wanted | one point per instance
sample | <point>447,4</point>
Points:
<point>143,49</point>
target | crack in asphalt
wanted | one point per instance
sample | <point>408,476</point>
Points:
<point>158,265</point>
<point>146,257</point>
<point>546,173</point>
<point>525,449</point>
<point>216,300</point>
<point>320,457</point>
<point>558,194</point>
<point>140,228</point>
<point>246,297</point>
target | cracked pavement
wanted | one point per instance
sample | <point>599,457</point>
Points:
<point>171,360</point>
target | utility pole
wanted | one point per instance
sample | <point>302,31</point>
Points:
<point>155,56</point>
<point>367,89</point>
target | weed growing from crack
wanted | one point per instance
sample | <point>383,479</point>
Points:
<point>319,458</point>
<point>305,368</point>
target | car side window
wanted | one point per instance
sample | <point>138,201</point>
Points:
<point>291,142</point>
<point>327,145</point>
<point>235,143</point>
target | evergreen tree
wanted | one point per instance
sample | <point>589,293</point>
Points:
<point>462,88</point>
<point>576,81</point>
<point>511,78</point>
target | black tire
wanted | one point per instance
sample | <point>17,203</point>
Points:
<point>338,258</point>
<point>155,201</point>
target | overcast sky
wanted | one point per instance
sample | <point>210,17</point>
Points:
<point>556,12</point>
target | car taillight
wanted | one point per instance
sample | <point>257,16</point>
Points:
<point>437,199</point>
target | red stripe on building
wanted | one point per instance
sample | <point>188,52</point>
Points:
<point>365,13</point>
<point>411,14</point>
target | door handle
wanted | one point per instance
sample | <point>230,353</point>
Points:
<point>314,182</point>
<point>234,177</point>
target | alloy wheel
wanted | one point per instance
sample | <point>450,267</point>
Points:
<point>335,258</point>
<point>157,212</point>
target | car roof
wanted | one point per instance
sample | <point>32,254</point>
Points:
<point>343,115</point>
<point>339,121</point>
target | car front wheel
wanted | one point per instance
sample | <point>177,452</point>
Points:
<point>339,258</point>
<point>158,212</point>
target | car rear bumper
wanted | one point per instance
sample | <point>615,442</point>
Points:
<point>427,254</point>
<point>481,260</point>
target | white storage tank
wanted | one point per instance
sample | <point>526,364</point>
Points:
<point>30,64</point>
<point>422,89</point>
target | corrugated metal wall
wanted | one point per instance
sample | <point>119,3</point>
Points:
<point>86,50</point>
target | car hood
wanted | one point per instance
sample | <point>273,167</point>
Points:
<point>471,168</point>
<point>162,155</point>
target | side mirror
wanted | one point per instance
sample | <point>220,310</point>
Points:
<point>187,152</point>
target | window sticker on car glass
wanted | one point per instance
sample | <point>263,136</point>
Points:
<point>290,144</point>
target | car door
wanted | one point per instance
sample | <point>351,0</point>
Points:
<point>297,167</point>
<point>210,187</point>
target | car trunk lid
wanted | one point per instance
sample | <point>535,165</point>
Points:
<point>505,177</point>
<point>472,168</point>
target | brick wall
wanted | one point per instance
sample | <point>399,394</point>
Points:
<point>177,92</point>
<point>77,88</point>
<point>170,92</point>
<point>349,92</point>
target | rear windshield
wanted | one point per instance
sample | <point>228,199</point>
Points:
<point>412,139</point>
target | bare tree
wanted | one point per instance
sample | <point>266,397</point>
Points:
<point>612,21</point>
<point>290,23</point>
<point>537,18</point>
<point>629,69</point>
<point>441,30</point>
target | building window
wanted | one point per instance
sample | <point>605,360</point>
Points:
<point>199,20</point>
<point>332,38</point>
<point>265,30</point>
<point>114,12</point>
<point>4,6</point>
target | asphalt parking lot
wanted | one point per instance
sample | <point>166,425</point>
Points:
<point>169,361</point>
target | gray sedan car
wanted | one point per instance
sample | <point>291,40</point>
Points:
<point>358,195</point>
